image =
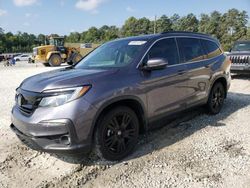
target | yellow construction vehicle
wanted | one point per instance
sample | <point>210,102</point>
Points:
<point>57,53</point>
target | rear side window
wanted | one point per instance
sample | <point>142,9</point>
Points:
<point>190,49</point>
<point>165,48</point>
<point>212,48</point>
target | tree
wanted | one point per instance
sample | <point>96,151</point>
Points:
<point>111,33</point>
<point>1,31</point>
<point>130,27</point>
<point>2,40</point>
<point>211,24</point>
<point>143,26</point>
<point>204,26</point>
<point>233,27</point>
<point>163,24</point>
<point>92,35</point>
<point>41,39</point>
<point>108,33</point>
<point>73,37</point>
<point>227,28</point>
<point>187,23</point>
<point>175,22</point>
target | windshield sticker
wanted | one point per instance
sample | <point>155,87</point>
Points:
<point>137,43</point>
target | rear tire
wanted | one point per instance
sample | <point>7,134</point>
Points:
<point>76,58</point>
<point>117,133</point>
<point>55,60</point>
<point>216,98</point>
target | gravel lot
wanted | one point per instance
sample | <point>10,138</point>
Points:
<point>197,150</point>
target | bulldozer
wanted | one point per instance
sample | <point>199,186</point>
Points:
<point>56,53</point>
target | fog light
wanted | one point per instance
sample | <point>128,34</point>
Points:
<point>50,123</point>
<point>65,140</point>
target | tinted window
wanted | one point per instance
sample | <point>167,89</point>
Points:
<point>191,49</point>
<point>165,48</point>
<point>212,48</point>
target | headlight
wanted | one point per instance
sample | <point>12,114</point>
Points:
<point>62,96</point>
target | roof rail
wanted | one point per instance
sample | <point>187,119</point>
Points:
<point>173,32</point>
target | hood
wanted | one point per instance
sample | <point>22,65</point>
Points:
<point>63,78</point>
<point>239,53</point>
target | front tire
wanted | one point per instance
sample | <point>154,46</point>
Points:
<point>117,133</point>
<point>55,60</point>
<point>216,98</point>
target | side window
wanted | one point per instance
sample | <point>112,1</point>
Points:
<point>165,48</point>
<point>191,49</point>
<point>212,48</point>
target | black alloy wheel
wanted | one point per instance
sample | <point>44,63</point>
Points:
<point>117,133</point>
<point>216,98</point>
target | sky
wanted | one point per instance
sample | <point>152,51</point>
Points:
<point>65,16</point>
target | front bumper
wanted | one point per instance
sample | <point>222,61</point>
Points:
<point>240,68</point>
<point>54,139</point>
<point>64,129</point>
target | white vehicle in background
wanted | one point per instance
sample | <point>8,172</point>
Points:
<point>23,57</point>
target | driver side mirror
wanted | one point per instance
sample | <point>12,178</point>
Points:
<point>155,64</point>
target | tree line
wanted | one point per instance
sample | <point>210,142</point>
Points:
<point>227,28</point>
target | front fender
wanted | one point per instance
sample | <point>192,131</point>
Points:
<point>117,100</point>
<point>49,54</point>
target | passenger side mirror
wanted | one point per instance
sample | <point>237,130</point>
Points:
<point>155,64</point>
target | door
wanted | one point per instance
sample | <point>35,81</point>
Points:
<point>166,88</point>
<point>194,56</point>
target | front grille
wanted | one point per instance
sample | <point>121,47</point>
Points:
<point>240,59</point>
<point>26,110</point>
<point>27,101</point>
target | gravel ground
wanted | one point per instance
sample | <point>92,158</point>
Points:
<point>196,150</point>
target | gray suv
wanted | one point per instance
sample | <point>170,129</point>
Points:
<point>123,88</point>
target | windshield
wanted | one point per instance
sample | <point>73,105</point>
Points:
<point>112,54</point>
<point>244,46</point>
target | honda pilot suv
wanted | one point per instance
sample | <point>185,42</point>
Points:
<point>123,88</point>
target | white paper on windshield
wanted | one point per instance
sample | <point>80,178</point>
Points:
<point>137,43</point>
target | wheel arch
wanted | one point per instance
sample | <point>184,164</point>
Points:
<point>132,102</point>
<point>222,80</point>
<point>49,54</point>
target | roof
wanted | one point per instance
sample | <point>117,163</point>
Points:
<point>170,33</point>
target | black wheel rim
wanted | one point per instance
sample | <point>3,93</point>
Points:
<point>119,133</point>
<point>217,98</point>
